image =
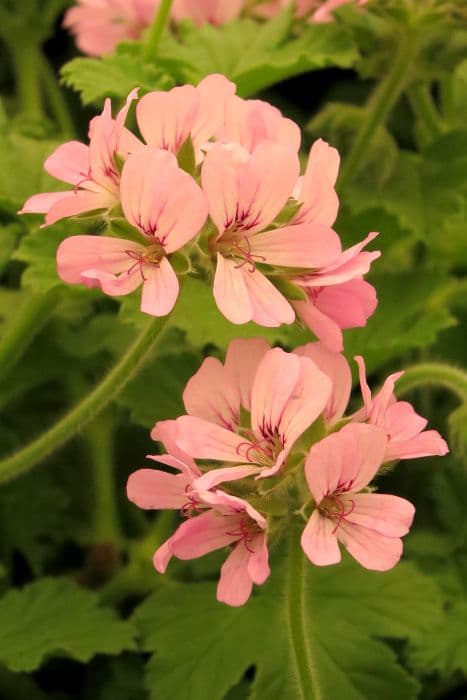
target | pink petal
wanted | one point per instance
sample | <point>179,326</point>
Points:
<point>212,394</point>
<point>383,400</point>
<point>369,548</point>
<point>219,476</point>
<point>160,199</point>
<point>349,304</point>
<point>266,183</point>
<point>346,460</point>
<point>388,515</point>
<point>350,264</point>
<point>213,91</point>
<point>202,534</point>
<point>258,563</point>
<point>162,556</point>
<point>319,542</point>
<point>270,308</point>
<point>153,489</point>
<point>114,286</point>
<point>205,440</point>
<point>160,289</point>
<point>165,431</point>
<point>212,11</point>
<point>165,119</point>
<point>324,328</point>
<point>41,203</point>
<point>230,292</point>
<point>274,383</point>
<point>316,188</point>
<point>235,583</point>
<point>69,163</point>
<point>241,362</point>
<point>336,367</point>
<point>308,400</point>
<point>402,423</point>
<point>364,388</point>
<point>302,245</point>
<point>79,202</point>
<point>78,254</point>
<point>425,444</point>
<point>220,180</point>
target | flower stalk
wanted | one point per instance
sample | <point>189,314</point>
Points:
<point>155,31</point>
<point>81,415</point>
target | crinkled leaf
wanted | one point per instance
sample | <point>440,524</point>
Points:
<point>202,648</point>
<point>254,55</point>
<point>114,75</point>
<point>55,617</point>
<point>444,649</point>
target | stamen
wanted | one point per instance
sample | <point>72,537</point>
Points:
<point>139,261</point>
<point>342,515</point>
<point>247,255</point>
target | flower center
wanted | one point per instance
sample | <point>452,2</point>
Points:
<point>238,248</point>
<point>247,529</point>
<point>263,452</point>
<point>336,508</point>
<point>152,256</point>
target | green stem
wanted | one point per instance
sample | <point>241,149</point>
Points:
<point>55,97</point>
<point>19,333</point>
<point>436,374</point>
<point>26,66</point>
<point>379,105</point>
<point>297,619</point>
<point>88,408</point>
<point>99,441</point>
<point>424,109</point>
<point>155,31</point>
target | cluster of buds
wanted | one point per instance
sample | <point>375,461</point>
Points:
<point>265,440</point>
<point>211,186</point>
<point>99,25</point>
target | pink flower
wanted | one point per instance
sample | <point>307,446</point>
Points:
<point>207,11</point>
<point>245,193</point>
<point>336,367</point>
<point>337,296</point>
<point>250,411</point>
<point>404,428</point>
<point>369,525</point>
<point>315,190</point>
<point>92,170</point>
<point>315,10</point>
<point>167,119</point>
<point>167,208</point>
<point>249,122</point>
<point>99,25</point>
<point>229,521</point>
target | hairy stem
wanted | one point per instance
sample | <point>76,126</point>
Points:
<point>88,408</point>
<point>424,109</point>
<point>55,97</point>
<point>24,56</point>
<point>378,107</point>
<point>155,31</point>
<point>435,374</point>
<point>297,619</point>
<point>19,333</point>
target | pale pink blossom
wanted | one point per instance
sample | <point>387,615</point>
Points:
<point>281,395</point>
<point>315,10</point>
<point>404,428</point>
<point>168,209</point>
<point>315,190</point>
<point>249,122</point>
<point>245,193</point>
<point>228,522</point>
<point>99,25</point>
<point>207,11</point>
<point>167,119</point>
<point>337,296</point>
<point>336,367</point>
<point>370,525</point>
<point>92,170</point>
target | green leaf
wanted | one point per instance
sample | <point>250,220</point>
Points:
<point>202,648</point>
<point>254,55</point>
<point>114,75</point>
<point>445,648</point>
<point>197,315</point>
<point>55,617</point>
<point>408,316</point>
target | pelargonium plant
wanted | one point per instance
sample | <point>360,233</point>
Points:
<point>255,259</point>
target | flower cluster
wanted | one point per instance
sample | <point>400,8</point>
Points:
<point>212,187</point>
<point>265,438</point>
<point>99,25</point>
